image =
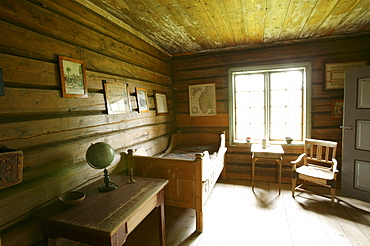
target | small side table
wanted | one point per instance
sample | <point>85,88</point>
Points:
<point>271,152</point>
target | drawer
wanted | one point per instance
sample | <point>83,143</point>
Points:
<point>267,155</point>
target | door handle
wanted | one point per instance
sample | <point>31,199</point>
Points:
<point>346,127</point>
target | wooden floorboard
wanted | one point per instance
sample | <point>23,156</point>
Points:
<point>235,215</point>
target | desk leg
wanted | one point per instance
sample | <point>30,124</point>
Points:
<point>50,241</point>
<point>280,163</point>
<point>161,218</point>
<point>253,167</point>
<point>48,238</point>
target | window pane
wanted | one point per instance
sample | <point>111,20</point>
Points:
<point>295,131</point>
<point>294,97</point>
<point>249,106</point>
<point>243,116</point>
<point>257,99</point>
<point>249,123</point>
<point>279,98</point>
<point>255,131</point>
<point>294,115</point>
<point>284,93</point>
<point>241,131</point>
<point>257,115</point>
<point>280,131</point>
<point>286,98</point>
<point>277,115</point>
<point>250,82</point>
<point>242,99</point>
<point>287,80</point>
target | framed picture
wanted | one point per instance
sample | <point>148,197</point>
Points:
<point>161,105</point>
<point>202,100</point>
<point>117,99</point>
<point>337,108</point>
<point>73,77</point>
<point>335,73</point>
<point>142,100</point>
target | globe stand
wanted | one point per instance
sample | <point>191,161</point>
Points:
<point>107,186</point>
<point>131,179</point>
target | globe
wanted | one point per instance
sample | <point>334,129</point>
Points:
<point>100,155</point>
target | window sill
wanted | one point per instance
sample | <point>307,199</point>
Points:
<point>282,143</point>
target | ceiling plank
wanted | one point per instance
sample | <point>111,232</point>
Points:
<point>196,11</point>
<point>218,17</point>
<point>234,11</point>
<point>336,17</point>
<point>186,26</point>
<point>110,17</point>
<point>275,16</point>
<point>296,18</point>
<point>169,19</point>
<point>177,11</point>
<point>317,17</point>
<point>256,11</point>
<point>356,19</point>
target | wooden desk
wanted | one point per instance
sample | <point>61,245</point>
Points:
<point>105,218</point>
<point>271,152</point>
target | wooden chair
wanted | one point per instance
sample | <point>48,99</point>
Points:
<point>318,165</point>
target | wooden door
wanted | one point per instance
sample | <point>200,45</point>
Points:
<point>356,134</point>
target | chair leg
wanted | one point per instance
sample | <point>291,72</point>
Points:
<point>332,191</point>
<point>304,185</point>
<point>294,182</point>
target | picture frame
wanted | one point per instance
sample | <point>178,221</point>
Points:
<point>142,100</point>
<point>161,104</point>
<point>73,77</point>
<point>117,97</point>
<point>337,108</point>
<point>202,100</point>
<point>335,73</point>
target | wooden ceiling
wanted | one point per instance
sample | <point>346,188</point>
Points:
<point>181,26</point>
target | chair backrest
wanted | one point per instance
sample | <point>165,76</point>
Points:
<point>320,151</point>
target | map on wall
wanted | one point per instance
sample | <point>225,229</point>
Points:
<point>202,100</point>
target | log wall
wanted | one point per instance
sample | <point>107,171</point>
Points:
<point>212,67</point>
<point>54,132</point>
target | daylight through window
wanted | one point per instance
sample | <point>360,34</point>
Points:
<point>269,103</point>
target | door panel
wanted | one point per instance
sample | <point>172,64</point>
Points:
<point>356,134</point>
<point>362,168</point>
<point>362,135</point>
<point>363,100</point>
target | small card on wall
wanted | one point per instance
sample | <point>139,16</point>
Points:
<point>2,92</point>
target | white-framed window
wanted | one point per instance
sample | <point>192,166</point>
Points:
<point>271,102</point>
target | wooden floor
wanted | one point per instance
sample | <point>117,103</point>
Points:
<point>234,215</point>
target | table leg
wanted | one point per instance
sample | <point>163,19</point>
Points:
<point>277,171</point>
<point>161,218</point>
<point>253,167</point>
<point>280,162</point>
<point>50,241</point>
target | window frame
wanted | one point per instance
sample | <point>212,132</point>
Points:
<point>265,68</point>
